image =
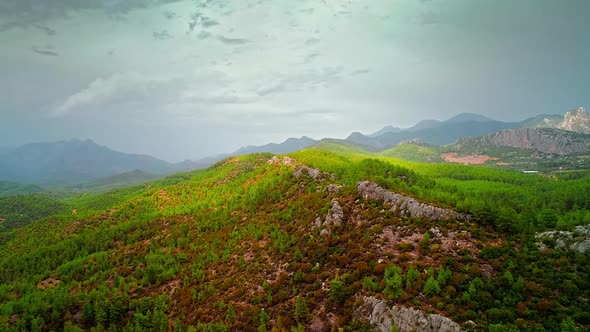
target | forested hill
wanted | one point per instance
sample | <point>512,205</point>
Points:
<point>315,241</point>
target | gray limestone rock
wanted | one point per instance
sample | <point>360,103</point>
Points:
<point>382,317</point>
<point>407,206</point>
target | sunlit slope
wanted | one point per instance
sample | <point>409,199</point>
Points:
<point>257,242</point>
<point>414,152</point>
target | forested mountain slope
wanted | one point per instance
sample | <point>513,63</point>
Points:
<point>306,242</point>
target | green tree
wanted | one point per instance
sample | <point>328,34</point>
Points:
<point>547,218</point>
<point>393,282</point>
<point>263,320</point>
<point>37,324</point>
<point>300,310</point>
<point>337,290</point>
<point>431,287</point>
<point>412,278</point>
<point>230,314</point>
<point>568,325</point>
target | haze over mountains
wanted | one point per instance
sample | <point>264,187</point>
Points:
<point>83,162</point>
<point>73,161</point>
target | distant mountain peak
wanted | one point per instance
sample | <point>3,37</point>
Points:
<point>72,161</point>
<point>468,117</point>
<point>291,144</point>
<point>384,130</point>
<point>577,120</point>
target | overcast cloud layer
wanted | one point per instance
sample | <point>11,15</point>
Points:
<point>184,79</point>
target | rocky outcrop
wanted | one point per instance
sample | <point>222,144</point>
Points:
<point>576,240</point>
<point>407,206</point>
<point>543,140</point>
<point>382,317</point>
<point>578,121</point>
<point>333,188</point>
<point>313,173</point>
<point>332,220</point>
<point>300,170</point>
<point>287,161</point>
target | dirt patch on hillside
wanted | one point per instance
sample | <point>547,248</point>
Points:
<point>475,159</point>
<point>48,283</point>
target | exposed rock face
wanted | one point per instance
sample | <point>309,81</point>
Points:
<point>335,215</point>
<point>405,205</point>
<point>313,173</point>
<point>578,121</point>
<point>382,317</point>
<point>332,220</point>
<point>333,188</point>
<point>287,161</point>
<point>544,140</point>
<point>300,170</point>
<point>577,240</point>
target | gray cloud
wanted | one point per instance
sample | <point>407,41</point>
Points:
<point>360,71</point>
<point>161,35</point>
<point>312,41</point>
<point>170,15</point>
<point>198,19</point>
<point>49,31</point>
<point>19,13</point>
<point>44,51</point>
<point>311,57</point>
<point>208,22</point>
<point>204,34</point>
<point>232,41</point>
<point>272,88</point>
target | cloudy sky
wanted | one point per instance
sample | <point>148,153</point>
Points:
<point>185,79</point>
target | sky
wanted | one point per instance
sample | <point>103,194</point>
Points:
<point>186,79</point>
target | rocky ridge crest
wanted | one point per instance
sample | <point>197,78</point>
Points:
<point>543,140</point>
<point>407,206</point>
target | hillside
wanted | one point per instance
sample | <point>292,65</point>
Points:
<point>11,188</point>
<point>338,146</point>
<point>414,151</point>
<point>20,210</point>
<point>316,242</point>
<point>115,182</point>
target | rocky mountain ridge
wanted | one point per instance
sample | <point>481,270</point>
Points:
<point>576,121</point>
<point>542,140</point>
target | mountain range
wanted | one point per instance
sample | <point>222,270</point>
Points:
<point>74,161</point>
<point>541,140</point>
<point>83,162</point>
